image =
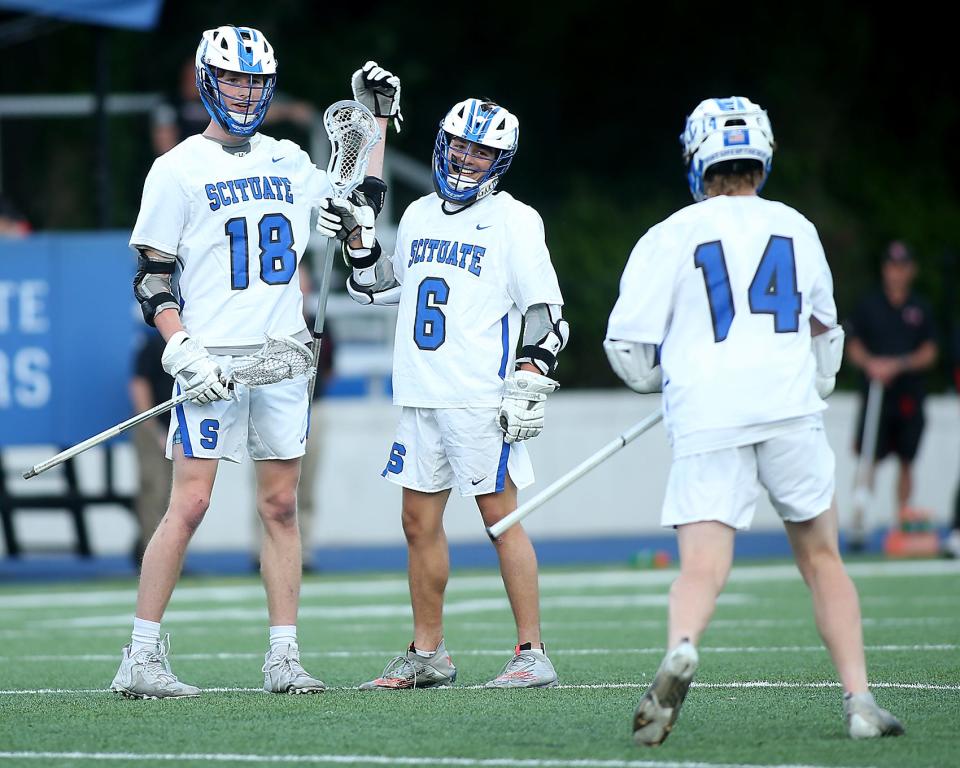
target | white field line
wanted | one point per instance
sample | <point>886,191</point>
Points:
<point>657,650</point>
<point>761,684</point>
<point>451,608</point>
<point>478,627</point>
<point>33,598</point>
<point>419,760</point>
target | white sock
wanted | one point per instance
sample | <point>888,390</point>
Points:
<point>146,634</point>
<point>283,634</point>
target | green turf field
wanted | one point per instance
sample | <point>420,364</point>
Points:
<point>765,694</point>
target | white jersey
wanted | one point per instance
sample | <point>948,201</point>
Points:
<point>238,225</point>
<point>727,287</point>
<point>467,279</point>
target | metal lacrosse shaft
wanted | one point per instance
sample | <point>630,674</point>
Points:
<point>497,529</point>
<point>342,188</point>
<point>865,464</point>
<point>79,448</point>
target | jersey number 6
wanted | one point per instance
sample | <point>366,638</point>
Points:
<point>430,324</point>
<point>773,290</point>
<point>278,260</point>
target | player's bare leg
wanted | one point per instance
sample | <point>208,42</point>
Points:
<point>835,603</point>
<point>706,555</point>
<point>904,485</point>
<point>280,562</point>
<point>837,612</point>
<point>163,558</point>
<point>529,667</point>
<point>429,563</point>
<point>518,563</point>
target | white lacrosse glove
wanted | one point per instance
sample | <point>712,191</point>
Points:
<point>185,359</point>
<point>521,409</point>
<point>378,90</point>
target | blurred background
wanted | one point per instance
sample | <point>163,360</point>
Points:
<point>864,107</point>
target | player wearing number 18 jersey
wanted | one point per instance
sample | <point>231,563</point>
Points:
<point>223,224</point>
<point>470,265</point>
<point>727,306</point>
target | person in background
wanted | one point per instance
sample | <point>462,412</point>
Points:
<point>149,386</point>
<point>891,338</point>
<point>12,222</point>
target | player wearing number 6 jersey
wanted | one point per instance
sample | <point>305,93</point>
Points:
<point>727,306</point>
<point>223,224</point>
<point>470,266</point>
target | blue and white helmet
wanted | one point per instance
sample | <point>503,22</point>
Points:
<point>482,122</point>
<point>725,129</point>
<point>235,49</point>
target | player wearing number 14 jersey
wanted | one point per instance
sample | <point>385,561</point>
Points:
<point>223,224</point>
<point>727,307</point>
<point>470,266</point>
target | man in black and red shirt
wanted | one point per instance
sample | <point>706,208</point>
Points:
<point>891,338</point>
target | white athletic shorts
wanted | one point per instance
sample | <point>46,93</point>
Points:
<point>437,448</point>
<point>268,422</point>
<point>796,469</point>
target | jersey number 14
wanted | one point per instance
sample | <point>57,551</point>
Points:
<point>773,290</point>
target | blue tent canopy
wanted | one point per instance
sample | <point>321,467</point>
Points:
<point>130,14</point>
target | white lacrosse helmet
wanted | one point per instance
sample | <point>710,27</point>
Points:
<point>235,49</point>
<point>481,122</point>
<point>725,129</point>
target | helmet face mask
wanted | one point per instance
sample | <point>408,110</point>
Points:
<point>720,130</point>
<point>474,148</point>
<point>236,77</point>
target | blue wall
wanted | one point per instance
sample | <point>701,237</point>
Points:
<point>69,326</point>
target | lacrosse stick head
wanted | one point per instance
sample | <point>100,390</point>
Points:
<point>278,360</point>
<point>353,132</point>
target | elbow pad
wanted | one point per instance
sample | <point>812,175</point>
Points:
<point>637,364</point>
<point>153,284</point>
<point>545,334</point>
<point>828,352</point>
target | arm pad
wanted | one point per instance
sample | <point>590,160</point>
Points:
<point>153,283</point>
<point>545,334</point>
<point>637,364</point>
<point>373,283</point>
<point>828,352</point>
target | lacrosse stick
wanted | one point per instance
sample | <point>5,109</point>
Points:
<point>277,360</point>
<point>862,492</point>
<point>497,529</point>
<point>353,132</point>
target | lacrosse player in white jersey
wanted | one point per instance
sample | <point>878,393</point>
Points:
<point>727,306</point>
<point>223,224</point>
<point>470,267</point>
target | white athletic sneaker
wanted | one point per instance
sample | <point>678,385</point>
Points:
<point>414,671</point>
<point>866,720</point>
<point>146,674</point>
<point>282,673</point>
<point>529,668</point>
<point>660,706</point>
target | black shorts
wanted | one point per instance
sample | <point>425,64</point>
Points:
<point>900,428</point>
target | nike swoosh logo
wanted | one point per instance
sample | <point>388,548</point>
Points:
<point>278,159</point>
<point>486,227</point>
<point>477,482</point>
